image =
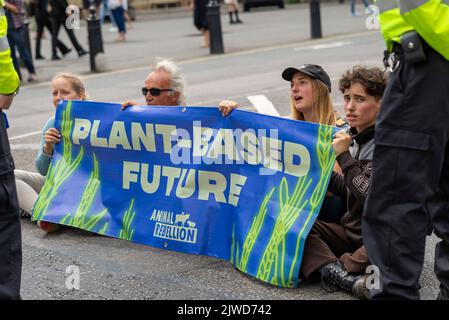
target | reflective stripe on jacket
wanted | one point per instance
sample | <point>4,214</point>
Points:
<point>9,80</point>
<point>429,18</point>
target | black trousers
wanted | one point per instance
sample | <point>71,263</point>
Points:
<point>55,26</point>
<point>410,182</point>
<point>10,232</point>
<point>10,240</point>
<point>44,22</point>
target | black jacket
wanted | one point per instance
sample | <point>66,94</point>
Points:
<point>6,161</point>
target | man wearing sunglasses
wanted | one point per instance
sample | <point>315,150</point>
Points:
<point>163,87</point>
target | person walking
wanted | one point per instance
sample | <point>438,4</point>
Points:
<point>10,232</point>
<point>410,181</point>
<point>16,37</point>
<point>233,8</point>
<point>354,13</point>
<point>42,22</point>
<point>58,18</point>
<point>118,12</point>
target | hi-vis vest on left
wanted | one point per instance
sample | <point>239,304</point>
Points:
<point>9,80</point>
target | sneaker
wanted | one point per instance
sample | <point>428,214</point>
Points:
<point>48,226</point>
<point>359,289</point>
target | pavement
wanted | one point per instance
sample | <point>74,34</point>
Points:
<point>256,52</point>
<point>170,33</point>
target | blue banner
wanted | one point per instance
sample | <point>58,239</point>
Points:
<point>245,188</point>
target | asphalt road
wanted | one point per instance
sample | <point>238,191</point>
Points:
<point>116,269</point>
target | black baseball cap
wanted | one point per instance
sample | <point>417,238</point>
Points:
<point>311,70</point>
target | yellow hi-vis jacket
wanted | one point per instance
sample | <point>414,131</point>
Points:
<point>9,80</point>
<point>429,18</point>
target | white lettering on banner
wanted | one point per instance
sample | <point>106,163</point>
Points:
<point>208,146</point>
<point>210,183</point>
<point>182,229</point>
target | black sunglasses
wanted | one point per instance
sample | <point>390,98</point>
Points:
<point>154,91</point>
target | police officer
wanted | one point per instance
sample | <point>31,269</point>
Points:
<point>10,232</point>
<point>410,182</point>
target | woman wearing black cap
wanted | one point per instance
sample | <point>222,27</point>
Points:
<point>310,96</point>
<point>310,88</point>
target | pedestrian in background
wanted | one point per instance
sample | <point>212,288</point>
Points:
<point>354,13</point>
<point>17,38</point>
<point>10,232</point>
<point>233,8</point>
<point>43,21</point>
<point>118,12</point>
<point>200,20</point>
<point>58,17</point>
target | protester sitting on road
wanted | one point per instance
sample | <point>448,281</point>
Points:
<point>310,88</point>
<point>164,86</point>
<point>65,86</point>
<point>336,250</point>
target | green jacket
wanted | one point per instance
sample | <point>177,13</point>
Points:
<point>429,18</point>
<point>9,80</point>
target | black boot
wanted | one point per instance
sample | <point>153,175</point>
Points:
<point>237,20</point>
<point>334,277</point>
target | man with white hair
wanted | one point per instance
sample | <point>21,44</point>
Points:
<point>164,86</point>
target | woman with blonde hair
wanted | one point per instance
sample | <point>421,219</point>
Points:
<point>310,88</point>
<point>65,86</point>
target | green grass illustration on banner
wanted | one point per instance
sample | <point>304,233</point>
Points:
<point>253,234</point>
<point>272,266</point>
<point>234,256</point>
<point>103,229</point>
<point>126,232</point>
<point>81,219</point>
<point>59,171</point>
<point>290,209</point>
<point>326,159</point>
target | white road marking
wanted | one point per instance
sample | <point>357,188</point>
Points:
<point>25,146</point>
<point>263,105</point>
<point>325,46</point>
<point>25,135</point>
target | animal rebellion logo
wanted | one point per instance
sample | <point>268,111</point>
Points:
<point>176,227</point>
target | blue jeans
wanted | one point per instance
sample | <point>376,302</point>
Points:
<point>105,10</point>
<point>365,2</point>
<point>16,39</point>
<point>119,17</point>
